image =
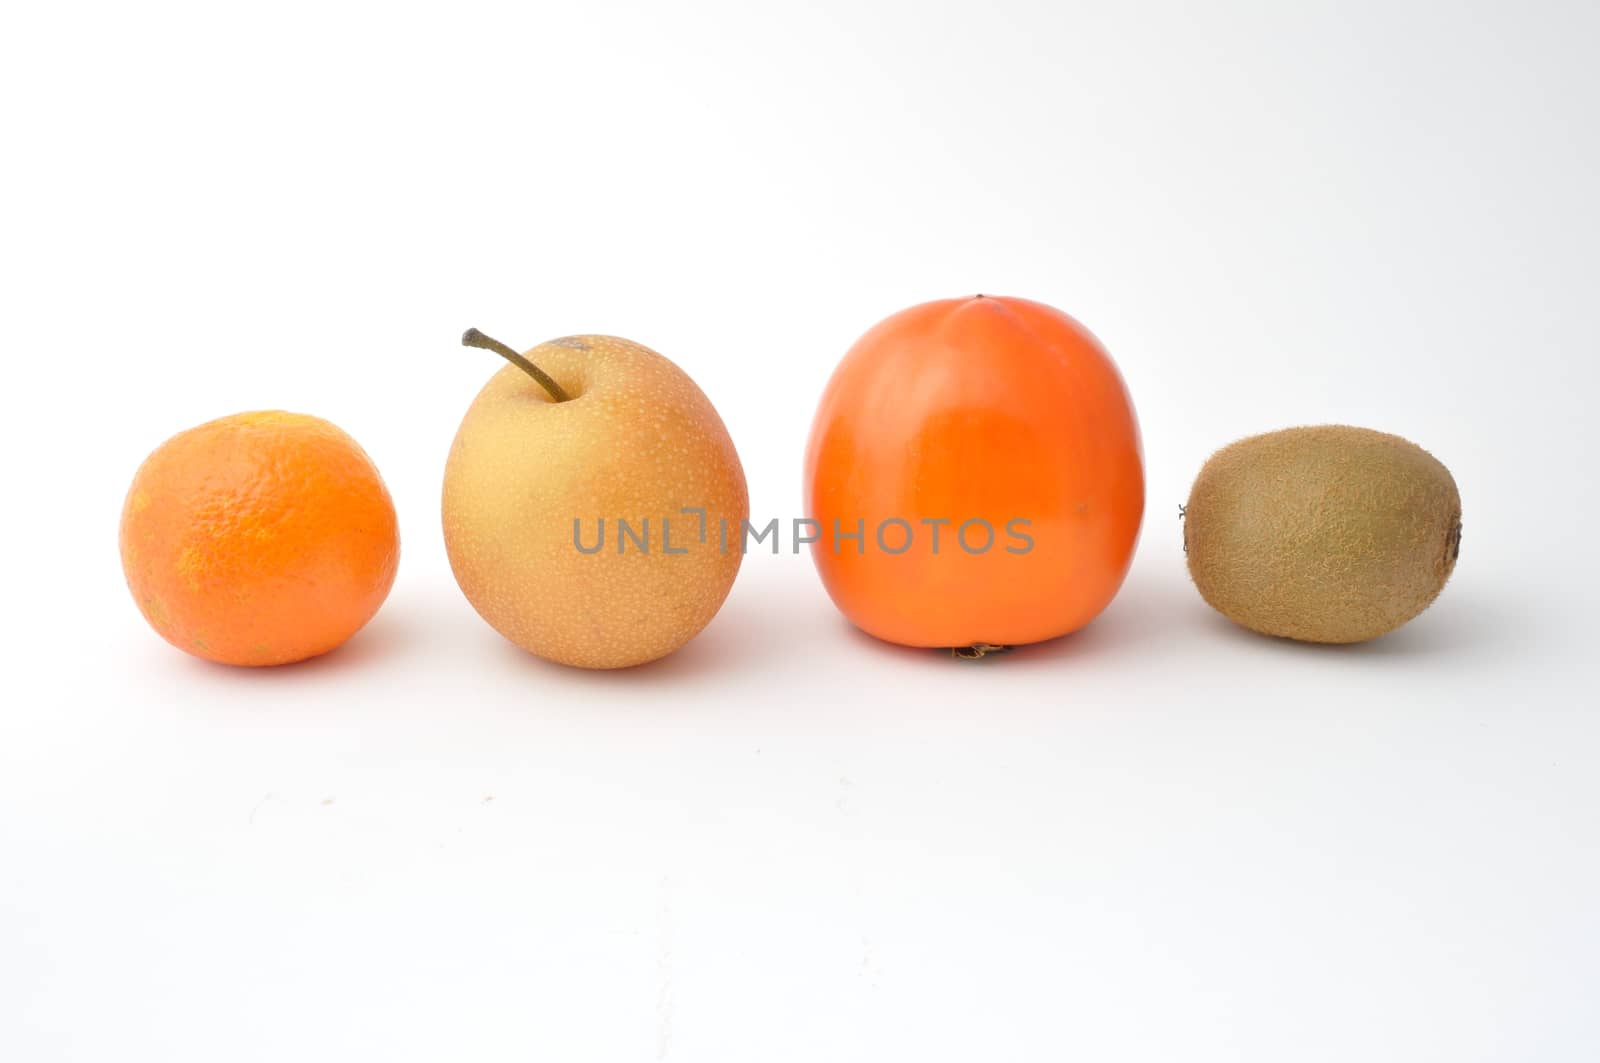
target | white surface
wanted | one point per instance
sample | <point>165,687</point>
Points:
<point>1162,839</point>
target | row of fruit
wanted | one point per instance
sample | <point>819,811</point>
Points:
<point>974,480</point>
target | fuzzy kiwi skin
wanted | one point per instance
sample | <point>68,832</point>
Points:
<point>1322,534</point>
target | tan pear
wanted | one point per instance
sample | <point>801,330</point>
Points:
<point>593,502</point>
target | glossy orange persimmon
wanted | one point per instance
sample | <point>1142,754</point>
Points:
<point>963,415</point>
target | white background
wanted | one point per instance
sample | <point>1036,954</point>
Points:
<point>1161,839</point>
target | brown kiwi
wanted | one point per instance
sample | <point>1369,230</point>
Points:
<point>1322,534</point>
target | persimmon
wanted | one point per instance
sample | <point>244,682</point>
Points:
<point>258,539</point>
<point>976,476</point>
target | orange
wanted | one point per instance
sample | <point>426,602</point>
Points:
<point>258,539</point>
<point>976,476</point>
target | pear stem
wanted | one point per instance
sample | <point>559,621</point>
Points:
<point>473,338</point>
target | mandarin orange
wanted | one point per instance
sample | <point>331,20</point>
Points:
<point>259,539</point>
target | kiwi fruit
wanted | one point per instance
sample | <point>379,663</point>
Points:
<point>1322,534</point>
